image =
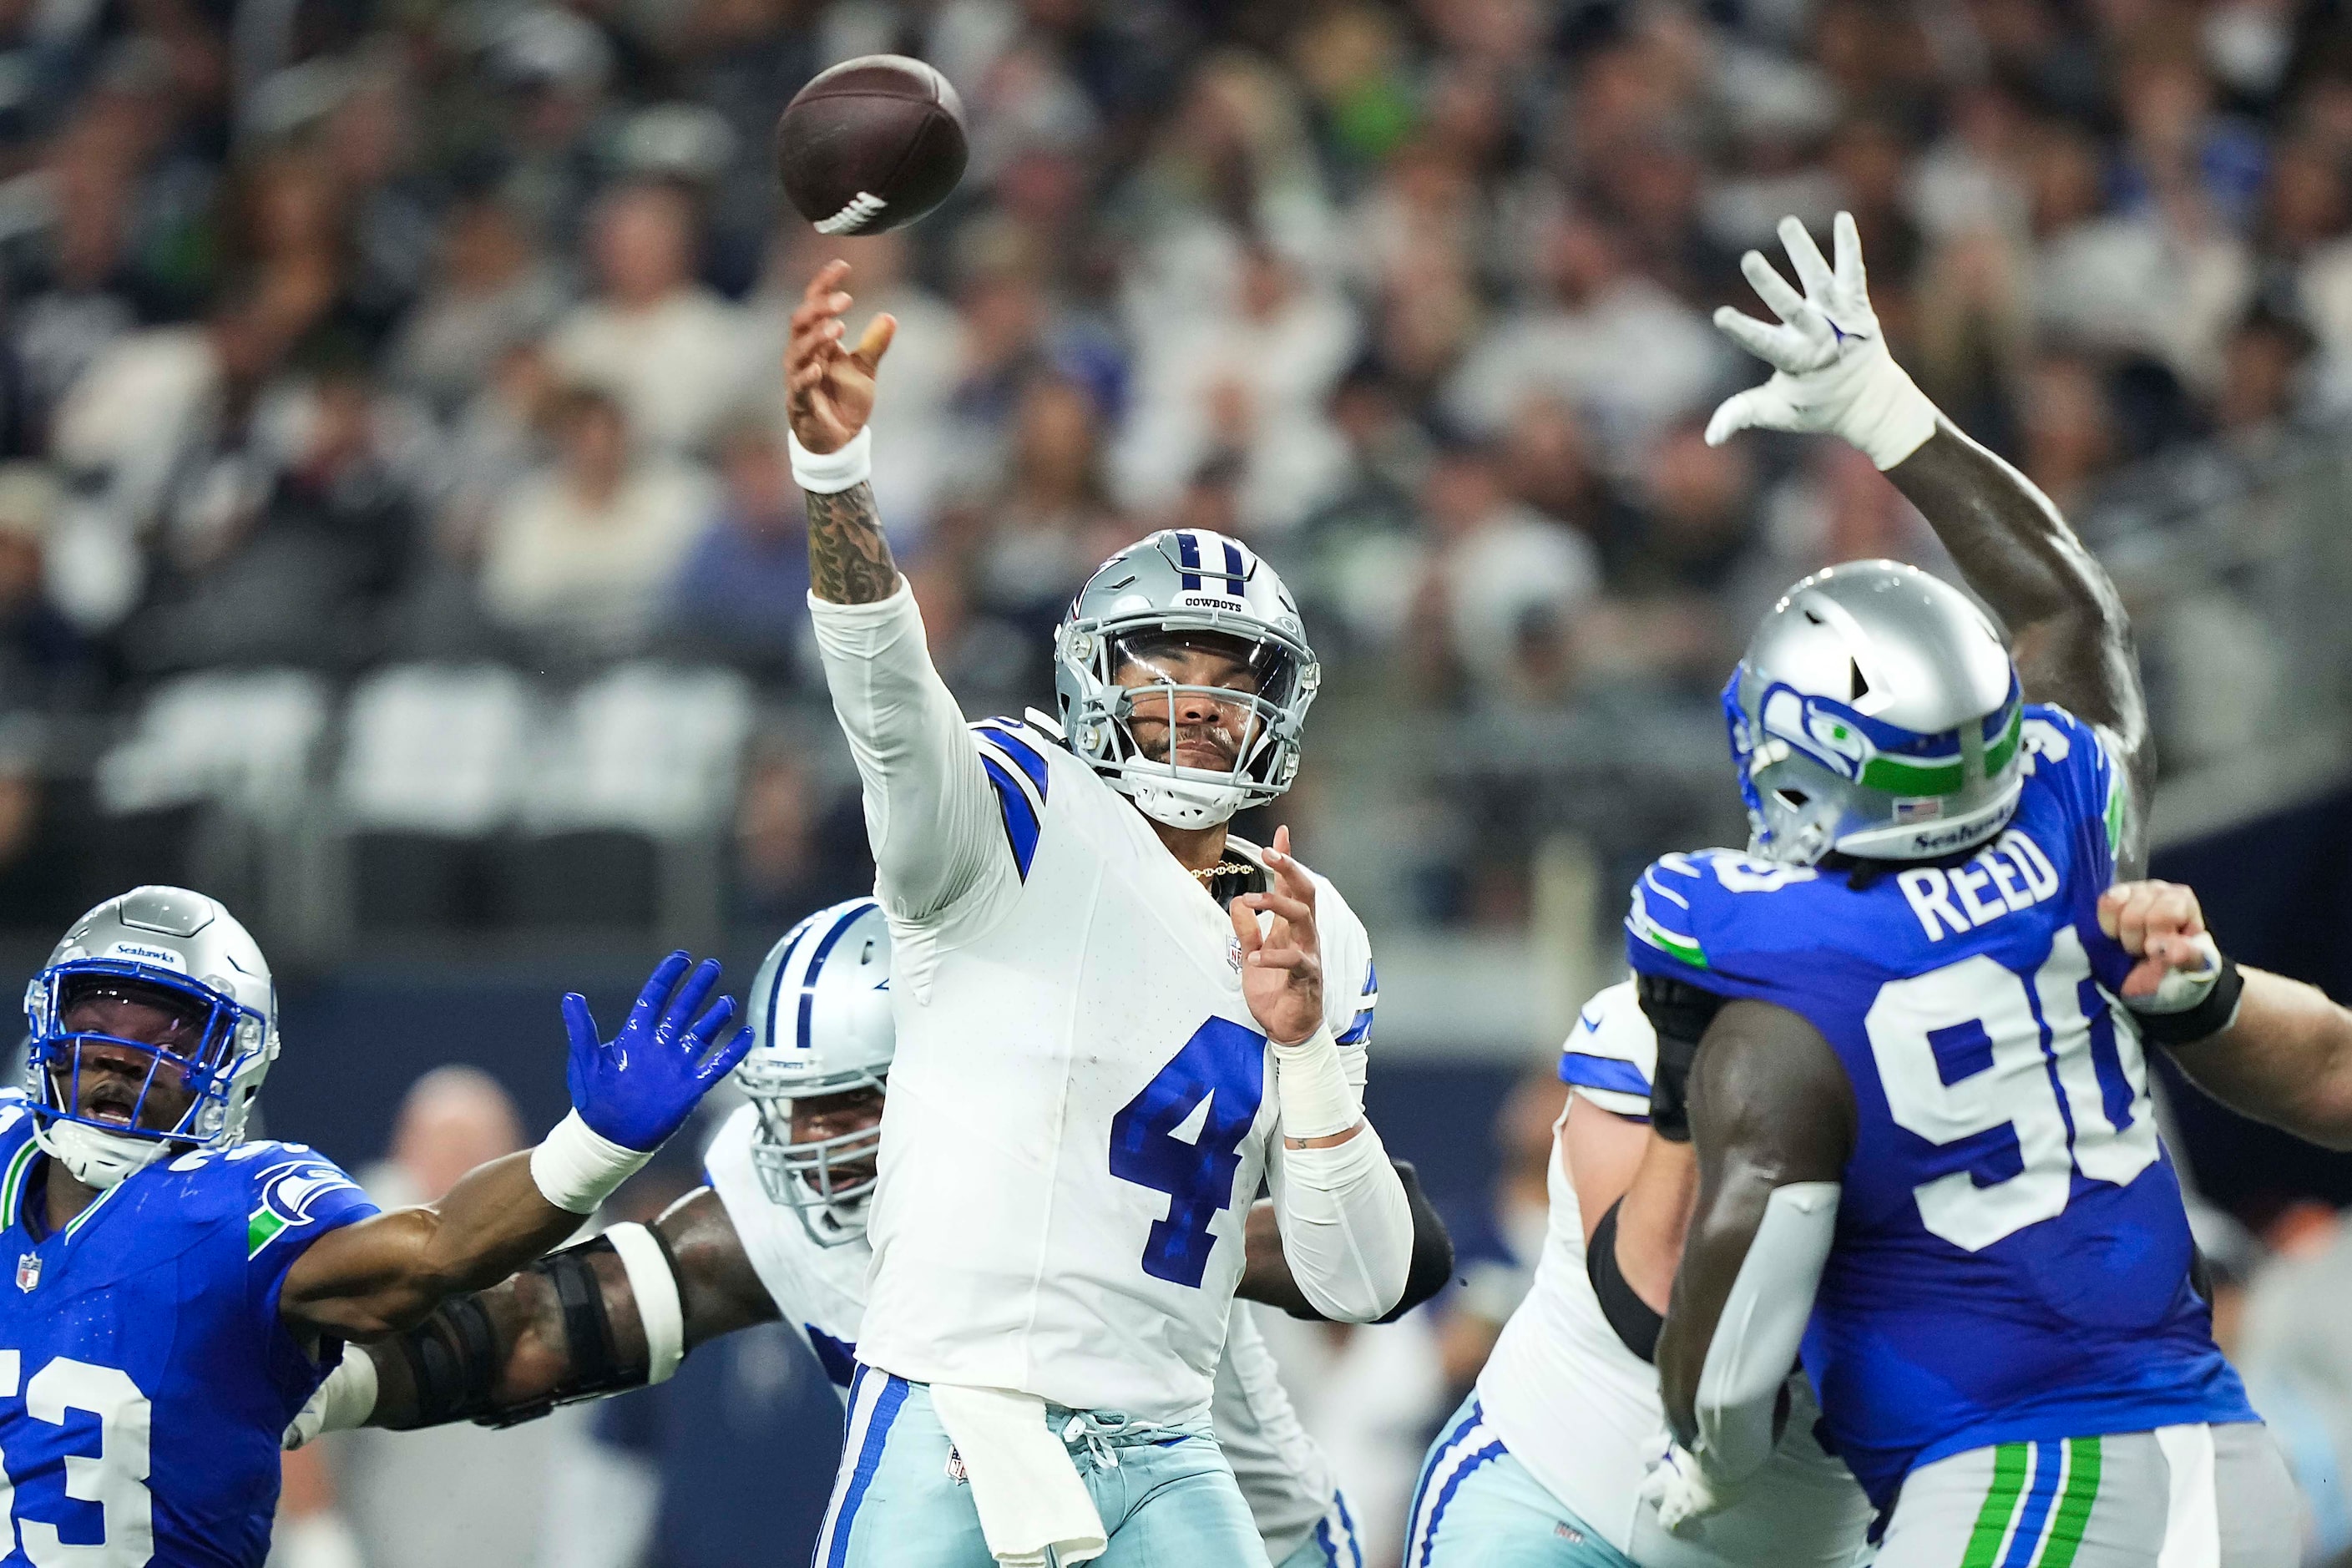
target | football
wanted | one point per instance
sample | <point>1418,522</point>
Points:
<point>871,144</point>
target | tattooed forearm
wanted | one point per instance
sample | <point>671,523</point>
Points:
<point>849,560</point>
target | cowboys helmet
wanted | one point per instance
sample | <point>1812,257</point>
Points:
<point>171,949</point>
<point>820,1025</point>
<point>1877,714</point>
<point>1184,583</point>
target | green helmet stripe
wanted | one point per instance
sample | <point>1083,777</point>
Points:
<point>1999,754</point>
<point>1904,776</point>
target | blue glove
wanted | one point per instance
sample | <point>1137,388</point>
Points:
<point>640,1088</point>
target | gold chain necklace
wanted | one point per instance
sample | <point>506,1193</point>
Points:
<point>1208,873</point>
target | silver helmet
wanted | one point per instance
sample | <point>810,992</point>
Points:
<point>821,1024</point>
<point>1177,584</point>
<point>172,949</point>
<point>1877,714</point>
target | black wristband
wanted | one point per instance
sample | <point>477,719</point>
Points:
<point>2203,1021</point>
<point>1636,1323</point>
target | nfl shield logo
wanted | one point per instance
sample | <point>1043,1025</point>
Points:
<point>28,1270</point>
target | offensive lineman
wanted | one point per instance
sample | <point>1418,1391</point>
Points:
<point>780,1232</point>
<point>1097,984</point>
<point>1927,1152</point>
<point>180,1291</point>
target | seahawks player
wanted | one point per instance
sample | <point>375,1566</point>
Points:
<point>1926,1148</point>
<point>1114,1021</point>
<point>780,1232</point>
<point>180,1291</point>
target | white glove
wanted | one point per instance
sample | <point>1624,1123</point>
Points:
<point>1831,372</point>
<point>343,1402</point>
<point>1678,1486</point>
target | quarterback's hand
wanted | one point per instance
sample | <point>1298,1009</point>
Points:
<point>1679,1488</point>
<point>640,1087</point>
<point>1832,373</point>
<point>828,388</point>
<point>1282,967</point>
<point>2162,925</point>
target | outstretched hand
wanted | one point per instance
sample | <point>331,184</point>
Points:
<point>829,387</point>
<point>1282,966</point>
<point>2163,926</point>
<point>638,1088</point>
<point>1831,372</point>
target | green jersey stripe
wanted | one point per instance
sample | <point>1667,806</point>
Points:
<point>1992,1520</point>
<point>12,1187</point>
<point>2083,1461</point>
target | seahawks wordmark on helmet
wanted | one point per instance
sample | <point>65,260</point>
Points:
<point>1876,713</point>
<point>188,953</point>
<point>821,1026</point>
<point>1175,582</point>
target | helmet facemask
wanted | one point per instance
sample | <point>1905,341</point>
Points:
<point>103,1128</point>
<point>826,1182</point>
<point>1256,714</point>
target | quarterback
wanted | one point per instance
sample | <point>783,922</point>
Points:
<point>181,1293</point>
<point>1926,1154</point>
<point>779,1233</point>
<point>1114,1021</point>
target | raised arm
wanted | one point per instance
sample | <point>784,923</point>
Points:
<point>930,810</point>
<point>1265,1268</point>
<point>387,1272</point>
<point>2273,1049</point>
<point>1833,374</point>
<point>1772,1118</point>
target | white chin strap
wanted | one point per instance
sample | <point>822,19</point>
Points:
<point>1179,803</point>
<point>95,1159</point>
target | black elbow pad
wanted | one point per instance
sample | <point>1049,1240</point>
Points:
<point>1679,1013</point>
<point>1432,1248</point>
<point>1636,1323</point>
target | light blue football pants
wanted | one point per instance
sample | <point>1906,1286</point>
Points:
<point>1333,1545</point>
<point>1167,1497</point>
<point>1478,1507</point>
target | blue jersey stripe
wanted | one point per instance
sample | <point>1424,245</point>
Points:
<point>1018,747</point>
<point>849,917</point>
<point>1588,1072</point>
<point>1360,1030</point>
<point>1021,826</point>
<point>1446,1494</point>
<point>869,1459</point>
<point>1437,1455</point>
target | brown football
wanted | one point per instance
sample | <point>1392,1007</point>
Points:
<point>871,144</point>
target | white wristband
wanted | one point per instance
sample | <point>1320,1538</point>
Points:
<point>830,473</point>
<point>577,1168</point>
<point>1312,1085</point>
<point>655,1285</point>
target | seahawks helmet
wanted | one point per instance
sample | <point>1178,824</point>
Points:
<point>171,949</point>
<point>1177,584</point>
<point>820,1025</point>
<point>1877,714</point>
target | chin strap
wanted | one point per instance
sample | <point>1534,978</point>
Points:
<point>95,1159</point>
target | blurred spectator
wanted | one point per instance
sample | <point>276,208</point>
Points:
<point>44,663</point>
<point>1499,566</point>
<point>491,294</point>
<point>741,594</point>
<point>792,853</point>
<point>1055,518</point>
<point>580,557</point>
<point>450,1494</point>
<point>670,349</point>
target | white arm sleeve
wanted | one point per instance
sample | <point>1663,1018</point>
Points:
<point>930,813</point>
<point>1346,1227</point>
<point>1754,1340</point>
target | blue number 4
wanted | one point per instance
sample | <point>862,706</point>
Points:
<point>1223,1064</point>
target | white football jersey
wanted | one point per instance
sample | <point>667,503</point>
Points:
<point>1081,1106</point>
<point>821,1291</point>
<point>1583,1413</point>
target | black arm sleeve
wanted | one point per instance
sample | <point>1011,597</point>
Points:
<point>1636,1322</point>
<point>1432,1248</point>
<point>1679,1013</point>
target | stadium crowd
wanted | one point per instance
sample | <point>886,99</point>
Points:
<point>339,333</point>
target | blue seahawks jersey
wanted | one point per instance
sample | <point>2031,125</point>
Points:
<point>2012,1260</point>
<point>145,1372</point>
